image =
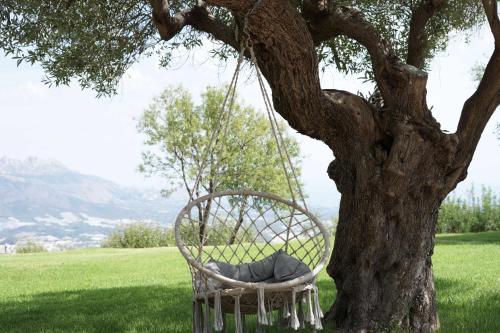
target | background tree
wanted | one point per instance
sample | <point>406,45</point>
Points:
<point>394,165</point>
<point>179,131</point>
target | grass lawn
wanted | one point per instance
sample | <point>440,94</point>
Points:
<point>148,290</point>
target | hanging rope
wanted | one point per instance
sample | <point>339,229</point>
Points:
<point>229,97</point>
<point>280,141</point>
<point>226,110</point>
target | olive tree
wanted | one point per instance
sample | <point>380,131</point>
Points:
<point>393,164</point>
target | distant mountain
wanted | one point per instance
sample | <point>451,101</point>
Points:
<point>45,201</point>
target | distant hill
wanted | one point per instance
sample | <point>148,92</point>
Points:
<point>45,201</point>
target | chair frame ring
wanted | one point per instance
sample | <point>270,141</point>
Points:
<point>252,285</point>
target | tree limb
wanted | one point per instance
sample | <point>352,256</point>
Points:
<point>491,10</point>
<point>167,25</point>
<point>197,17</point>
<point>286,56</point>
<point>183,173</point>
<point>393,77</point>
<point>315,7</point>
<point>478,109</point>
<point>234,5</point>
<point>417,39</point>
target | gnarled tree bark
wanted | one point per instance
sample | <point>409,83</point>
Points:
<point>393,165</point>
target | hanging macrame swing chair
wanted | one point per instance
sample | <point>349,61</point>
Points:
<point>245,249</point>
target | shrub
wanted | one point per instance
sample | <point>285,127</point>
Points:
<point>140,235</point>
<point>332,227</point>
<point>30,247</point>
<point>474,214</point>
<point>219,234</point>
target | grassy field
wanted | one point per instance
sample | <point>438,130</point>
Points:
<point>148,290</point>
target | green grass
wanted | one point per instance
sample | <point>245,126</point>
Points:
<point>148,290</point>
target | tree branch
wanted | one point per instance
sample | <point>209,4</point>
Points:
<point>399,84</point>
<point>286,57</point>
<point>315,7</point>
<point>167,25</point>
<point>478,109</point>
<point>197,17</point>
<point>491,10</point>
<point>417,38</point>
<point>183,173</point>
<point>234,5</point>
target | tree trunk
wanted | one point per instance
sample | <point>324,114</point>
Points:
<point>203,222</point>
<point>382,266</point>
<point>204,214</point>
<point>381,262</point>
<point>238,224</point>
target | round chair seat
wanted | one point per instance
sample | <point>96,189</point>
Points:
<point>243,227</point>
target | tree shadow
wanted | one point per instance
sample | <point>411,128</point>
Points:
<point>168,309</point>
<point>131,309</point>
<point>490,237</point>
<point>113,310</point>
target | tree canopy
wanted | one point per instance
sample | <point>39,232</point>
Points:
<point>95,41</point>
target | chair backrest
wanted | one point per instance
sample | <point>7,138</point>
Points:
<point>245,226</point>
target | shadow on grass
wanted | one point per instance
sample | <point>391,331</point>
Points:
<point>114,310</point>
<point>133,309</point>
<point>462,308</point>
<point>491,237</point>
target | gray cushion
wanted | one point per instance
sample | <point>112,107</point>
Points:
<point>248,272</point>
<point>278,267</point>
<point>287,268</point>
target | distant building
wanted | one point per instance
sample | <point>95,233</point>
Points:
<point>7,248</point>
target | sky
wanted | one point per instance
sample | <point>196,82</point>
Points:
<point>99,136</point>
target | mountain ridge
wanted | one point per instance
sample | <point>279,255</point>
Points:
<point>45,201</point>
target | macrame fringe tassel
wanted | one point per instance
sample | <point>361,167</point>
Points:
<point>237,315</point>
<point>310,310</point>
<point>206,326</point>
<point>270,312</point>
<point>286,310</point>
<point>218,320</point>
<point>261,314</point>
<point>197,313</point>
<point>317,310</point>
<point>294,320</point>
<point>302,303</point>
